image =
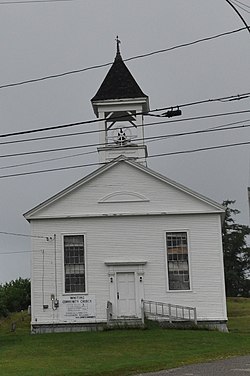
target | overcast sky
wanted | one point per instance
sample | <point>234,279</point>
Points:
<point>41,39</point>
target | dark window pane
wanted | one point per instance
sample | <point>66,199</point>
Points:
<point>177,256</point>
<point>74,264</point>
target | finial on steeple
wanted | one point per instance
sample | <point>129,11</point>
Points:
<point>118,42</point>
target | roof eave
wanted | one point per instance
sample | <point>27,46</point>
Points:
<point>144,101</point>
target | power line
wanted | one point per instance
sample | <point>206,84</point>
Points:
<point>241,17</point>
<point>161,137</point>
<point>240,2</point>
<point>199,149</point>
<point>224,127</point>
<point>49,128</point>
<point>47,160</point>
<point>50,137</point>
<point>18,234</point>
<point>237,4</point>
<point>100,131</point>
<point>96,131</point>
<point>228,98</point>
<point>15,252</point>
<point>57,75</point>
<point>98,144</point>
<point>99,164</point>
<point>236,97</point>
<point>189,43</point>
<point>23,251</point>
<point>149,139</point>
<point>48,150</point>
<point>10,2</point>
<point>52,170</point>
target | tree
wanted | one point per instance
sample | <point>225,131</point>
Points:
<point>14,296</point>
<point>3,308</point>
<point>236,253</point>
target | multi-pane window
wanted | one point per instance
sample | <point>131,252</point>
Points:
<point>177,261</point>
<point>74,263</point>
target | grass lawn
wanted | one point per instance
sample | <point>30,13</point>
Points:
<point>121,352</point>
<point>239,315</point>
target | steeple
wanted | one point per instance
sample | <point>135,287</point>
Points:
<point>119,82</point>
<point>120,104</point>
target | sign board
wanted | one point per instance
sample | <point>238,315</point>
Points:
<point>78,307</point>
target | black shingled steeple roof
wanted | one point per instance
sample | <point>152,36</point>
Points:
<point>118,83</point>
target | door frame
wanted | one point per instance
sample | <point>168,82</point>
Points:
<point>136,267</point>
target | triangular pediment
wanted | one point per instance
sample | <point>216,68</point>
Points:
<point>123,187</point>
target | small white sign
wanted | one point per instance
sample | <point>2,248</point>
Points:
<point>78,307</point>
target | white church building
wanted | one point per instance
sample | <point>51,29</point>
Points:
<point>125,241</point>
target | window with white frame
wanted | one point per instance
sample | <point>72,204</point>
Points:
<point>177,261</point>
<point>74,263</point>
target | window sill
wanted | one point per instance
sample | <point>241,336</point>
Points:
<point>74,293</point>
<point>177,291</point>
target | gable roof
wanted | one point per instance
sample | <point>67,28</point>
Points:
<point>118,83</point>
<point>121,159</point>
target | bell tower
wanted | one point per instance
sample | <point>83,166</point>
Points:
<point>119,104</point>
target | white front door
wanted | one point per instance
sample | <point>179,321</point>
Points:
<point>126,305</point>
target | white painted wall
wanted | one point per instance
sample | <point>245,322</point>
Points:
<point>126,239</point>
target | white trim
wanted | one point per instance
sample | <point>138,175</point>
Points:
<point>85,262</point>
<point>110,102</point>
<point>123,266</point>
<point>124,214</point>
<point>124,263</point>
<point>140,104</point>
<point>223,285</point>
<point>114,197</point>
<point>67,323</point>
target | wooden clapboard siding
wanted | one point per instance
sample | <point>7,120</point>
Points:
<point>123,189</point>
<point>124,211</point>
<point>129,238</point>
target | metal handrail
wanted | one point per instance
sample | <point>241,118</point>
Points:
<point>172,312</point>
